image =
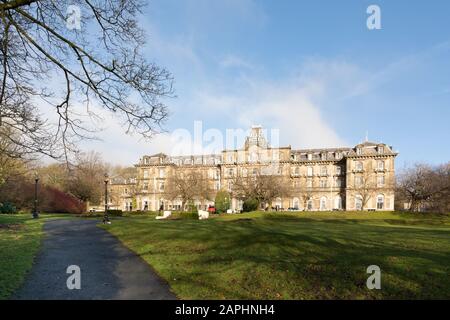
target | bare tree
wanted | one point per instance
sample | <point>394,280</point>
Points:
<point>86,178</point>
<point>74,70</point>
<point>426,185</point>
<point>262,187</point>
<point>365,184</point>
<point>187,186</point>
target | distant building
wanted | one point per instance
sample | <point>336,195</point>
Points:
<point>358,178</point>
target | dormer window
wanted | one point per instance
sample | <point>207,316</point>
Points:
<point>338,155</point>
<point>380,150</point>
<point>324,156</point>
<point>359,151</point>
<point>310,156</point>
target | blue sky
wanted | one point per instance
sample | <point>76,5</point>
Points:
<point>311,69</point>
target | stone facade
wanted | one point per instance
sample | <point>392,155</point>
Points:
<point>358,178</point>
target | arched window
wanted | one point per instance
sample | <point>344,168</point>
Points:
<point>309,204</point>
<point>296,203</point>
<point>338,203</point>
<point>380,202</point>
<point>358,203</point>
<point>278,204</point>
<point>323,203</point>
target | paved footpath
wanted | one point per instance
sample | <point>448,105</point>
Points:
<point>108,269</point>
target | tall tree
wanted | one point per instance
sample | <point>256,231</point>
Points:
<point>75,58</point>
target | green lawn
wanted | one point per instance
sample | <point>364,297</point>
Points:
<point>20,240</point>
<point>321,255</point>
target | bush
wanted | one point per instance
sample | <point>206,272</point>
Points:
<point>222,201</point>
<point>53,200</point>
<point>250,205</point>
<point>8,208</point>
<point>184,215</point>
<point>115,212</point>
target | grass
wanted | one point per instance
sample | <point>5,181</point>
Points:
<point>319,255</point>
<point>20,240</point>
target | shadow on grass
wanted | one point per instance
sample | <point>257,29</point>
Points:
<point>292,258</point>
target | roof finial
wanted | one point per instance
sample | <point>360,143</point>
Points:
<point>367,135</point>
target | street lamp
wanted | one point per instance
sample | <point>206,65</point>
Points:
<point>35,212</point>
<point>105,216</point>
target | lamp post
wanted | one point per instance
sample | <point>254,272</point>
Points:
<point>35,210</point>
<point>105,217</point>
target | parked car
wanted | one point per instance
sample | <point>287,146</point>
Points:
<point>212,209</point>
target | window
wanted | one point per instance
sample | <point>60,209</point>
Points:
<point>309,183</point>
<point>145,186</point>
<point>359,151</point>
<point>162,173</point>
<point>338,155</point>
<point>323,183</point>
<point>323,203</point>
<point>358,203</point>
<point>310,171</point>
<point>310,156</point>
<point>309,204</point>
<point>380,150</point>
<point>338,203</point>
<point>359,166</point>
<point>253,157</point>
<point>338,182</point>
<point>296,171</point>
<point>230,172</point>
<point>296,203</point>
<point>380,202</point>
<point>358,181</point>
<point>217,186</point>
<point>161,186</point>
<point>380,181</point>
<point>323,170</point>
<point>380,165</point>
<point>323,156</point>
<point>145,174</point>
<point>126,191</point>
<point>230,158</point>
<point>230,185</point>
<point>255,171</point>
<point>338,171</point>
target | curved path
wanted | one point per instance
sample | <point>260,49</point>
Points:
<point>109,270</point>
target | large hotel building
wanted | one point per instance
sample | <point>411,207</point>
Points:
<point>358,178</point>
